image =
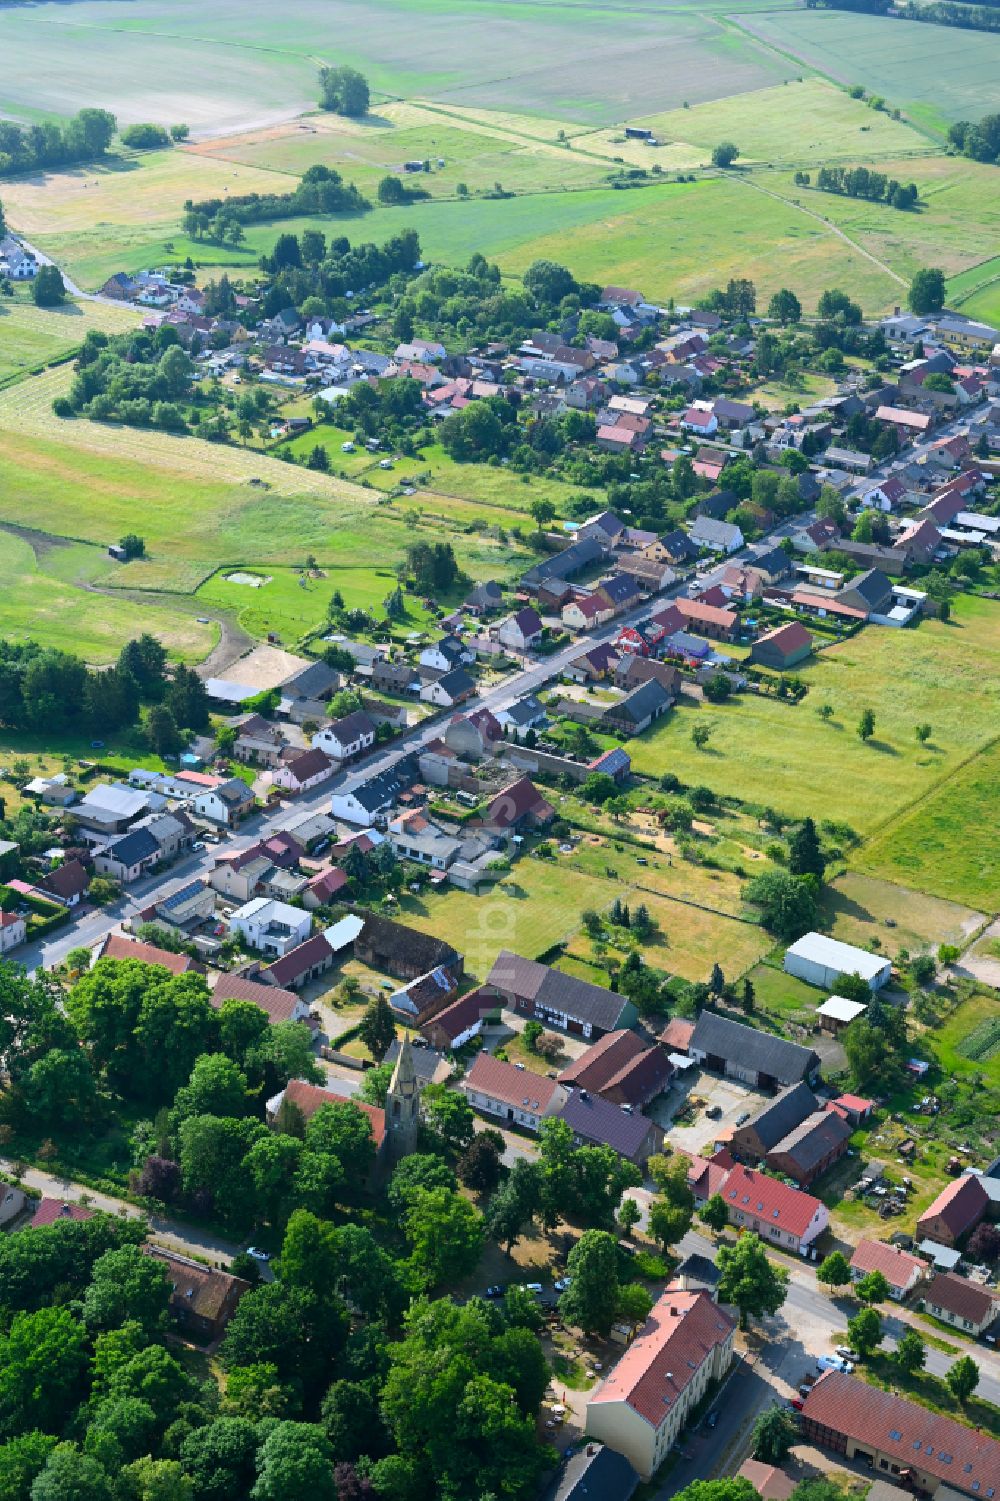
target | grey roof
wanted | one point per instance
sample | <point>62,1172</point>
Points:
<point>873,585</point>
<point>456,682</point>
<point>560,992</point>
<point>383,788</point>
<point>487,593</point>
<point>775,1118</point>
<point>641,703</point>
<point>525,710</point>
<point>597,1120</point>
<point>311,682</point>
<point>137,845</point>
<point>703,1268</point>
<point>774,560</point>
<point>678,544</point>
<point>114,802</point>
<point>353,726</point>
<point>595,1473</point>
<point>705,529</point>
<point>760,1052</point>
<point>563,564</point>
<point>234,792</point>
<point>619,588</point>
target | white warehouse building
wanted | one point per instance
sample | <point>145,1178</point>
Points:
<point>821,961</point>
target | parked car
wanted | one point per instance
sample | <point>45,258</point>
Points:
<point>713,1112</point>
<point>562,1283</point>
<point>258,1255</point>
<point>846,1353</point>
<point>712,1418</point>
<point>835,1363</point>
<point>497,1290</point>
<point>199,845</point>
<point>533,1287</point>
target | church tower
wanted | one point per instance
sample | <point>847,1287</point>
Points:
<point>402,1105</point>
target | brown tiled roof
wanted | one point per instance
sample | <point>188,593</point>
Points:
<point>67,880</point>
<point>678,1337</point>
<point>599,1122</point>
<point>788,637</point>
<point>964,1458</point>
<point>202,1290</point>
<point>896,1265</point>
<point>309,764</point>
<point>310,1097</point>
<point>278,1004</point>
<point>51,1211</point>
<point>769,1481</point>
<point>299,960</point>
<point>810,1141</point>
<point>461,1014</point>
<point>521,799</point>
<point>513,1086</point>
<point>621,1061</point>
<point>965,1299</point>
<point>961,1204</point>
<point>117,946</point>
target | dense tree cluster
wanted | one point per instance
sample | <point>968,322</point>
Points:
<point>83,138</point>
<point>139,378</point>
<point>320,190</point>
<point>307,272</point>
<point>344,91</point>
<point>862,182</point>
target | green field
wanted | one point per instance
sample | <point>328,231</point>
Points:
<point>935,73</point>
<point>33,337</point>
<point>43,597</point>
<point>977,291</point>
<point>771,753</point>
<point>946,844</point>
<point>291,609</point>
<point>224,66</point>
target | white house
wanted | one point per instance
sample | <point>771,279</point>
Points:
<point>225,804</point>
<point>346,737</point>
<point>718,536</point>
<point>521,631</point>
<point>445,654</point>
<point>13,930</point>
<point>700,419</point>
<point>303,771</point>
<point>450,689</point>
<point>885,496</point>
<point>128,857</point>
<point>270,926</point>
<point>820,960</point>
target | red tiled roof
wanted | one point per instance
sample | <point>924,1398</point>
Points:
<point>310,1097</point>
<point>516,802</point>
<point>897,1266</point>
<point>117,946</point>
<point>51,1211</point>
<point>278,1004</point>
<point>677,1034</point>
<point>696,610</point>
<point>961,1204</point>
<point>620,1061</point>
<point>755,1194</point>
<point>964,1458</point>
<point>853,1102</point>
<point>707,1175</point>
<point>67,880</point>
<point>327,884</point>
<point>512,1086</point>
<point>680,1334</point>
<point>788,637</point>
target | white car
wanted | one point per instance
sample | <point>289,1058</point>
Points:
<point>347,447</point>
<point>258,1255</point>
<point>835,1363</point>
<point>562,1283</point>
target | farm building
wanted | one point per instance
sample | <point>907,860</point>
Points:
<point>837,1013</point>
<point>783,647</point>
<point>557,999</point>
<point>820,960</point>
<point>756,1058</point>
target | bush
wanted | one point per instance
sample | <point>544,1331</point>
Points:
<point>145,137</point>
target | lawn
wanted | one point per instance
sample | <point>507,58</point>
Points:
<point>977,291</point>
<point>690,940</point>
<point>932,71</point>
<point>941,845</point>
<point>856,907</point>
<point>771,753</point>
<point>783,996</point>
<point>538,905</point>
<point>43,598</point>
<point>33,337</point>
<point>292,609</point>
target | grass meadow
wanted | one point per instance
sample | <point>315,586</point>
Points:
<point>977,292</point>
<point>768,752</point>
<point>855,907</point>
<point>947,844</point>
<point>33,337</point>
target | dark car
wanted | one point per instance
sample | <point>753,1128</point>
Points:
<point>497,1290</point>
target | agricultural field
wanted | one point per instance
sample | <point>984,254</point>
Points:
<point>33,337</point>
<point>976,293</point>
<point>223,68</point>
<point>768,752</point>
<point>941,844</point>
<point>934,74</point>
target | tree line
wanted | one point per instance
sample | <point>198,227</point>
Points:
<point>84,137</point>
<point>139,378</point>
<point>321,190</point>
<point>42,689</point>
<point>862,182</point>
